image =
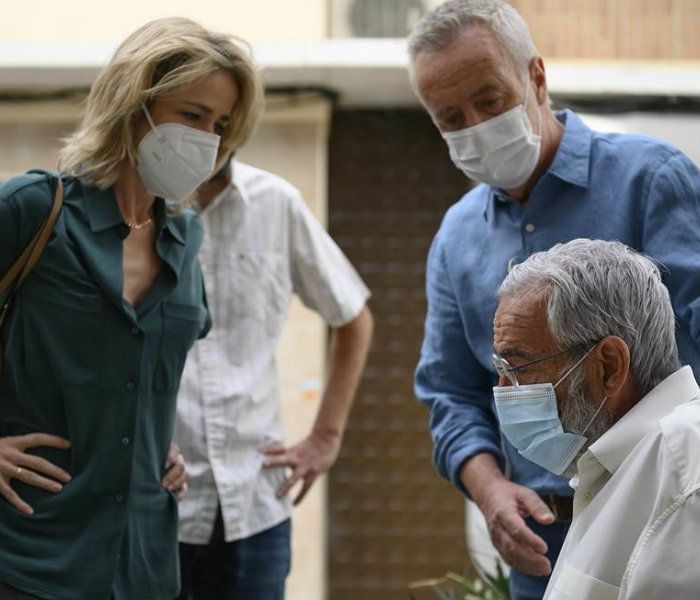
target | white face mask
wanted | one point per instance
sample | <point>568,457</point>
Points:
<point>502,151</point>
<point>174,159</point>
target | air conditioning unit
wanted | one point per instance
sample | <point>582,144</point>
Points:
<point>376,18</point>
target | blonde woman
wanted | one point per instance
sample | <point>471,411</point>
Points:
<point>97,336</point>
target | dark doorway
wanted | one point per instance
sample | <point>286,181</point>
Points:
<point>392,519</point>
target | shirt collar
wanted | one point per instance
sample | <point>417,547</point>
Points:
<point>103,213</point>
<point>101,207</point>
<point>571,162</point>
<point>167,222</point>
<point>239,183</point>
<point>235,192</point>
<point>616,444</point>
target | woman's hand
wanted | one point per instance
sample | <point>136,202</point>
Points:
<point>175,478</point>
<point>15,463</point>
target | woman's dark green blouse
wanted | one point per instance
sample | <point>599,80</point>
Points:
<point>80,362</point>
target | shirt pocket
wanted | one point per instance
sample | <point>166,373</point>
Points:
<point>63,334</point>
<point>572,584</point>
<point>258,288</point>
<point>182,325</point>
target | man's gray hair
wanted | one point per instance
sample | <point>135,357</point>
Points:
<point>595,288</point>
<point>439,28</point>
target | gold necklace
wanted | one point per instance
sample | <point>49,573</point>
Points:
<point>136,226</point>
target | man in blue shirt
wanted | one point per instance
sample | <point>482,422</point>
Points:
<point>545,178</point>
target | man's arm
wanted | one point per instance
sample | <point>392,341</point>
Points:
<point>451,382</point>
<point>318,451</point>
<point>456,388</point>
<point>670,234</point>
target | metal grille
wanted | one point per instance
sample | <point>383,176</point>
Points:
<point>384,18</point>
<point>392,519</point>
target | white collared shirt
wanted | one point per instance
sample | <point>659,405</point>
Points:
<point>262,244</point>
<point>636,525</point>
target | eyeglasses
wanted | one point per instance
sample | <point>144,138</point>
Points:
<point>504,369</point>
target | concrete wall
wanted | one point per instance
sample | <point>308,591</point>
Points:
<point>103,21</point>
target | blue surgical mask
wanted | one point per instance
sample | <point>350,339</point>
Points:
<point>530,421</point>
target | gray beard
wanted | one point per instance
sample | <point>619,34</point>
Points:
<point>576,413</point>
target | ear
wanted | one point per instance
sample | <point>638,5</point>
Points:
<point>538,75</point>
<point>612,375</point>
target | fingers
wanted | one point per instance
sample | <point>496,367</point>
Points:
<point>11,496</point>
<point>43,466</point>
<point>273,449</point>
<point>536,508</point>
<point>278,460</point>
<point>525,560</point>
<point>505,512</point>
<point>182,492</point>
<point>31,478</point>
<point>31,440</point>
<point>176,475</point>
<point>517,530</point>
<point>292,480</point>
<point>32,470</point>
<point>519,545</point>
<point>306,486</point>
<point>289,483</point>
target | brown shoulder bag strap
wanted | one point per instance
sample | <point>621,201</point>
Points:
<point>18,272</point>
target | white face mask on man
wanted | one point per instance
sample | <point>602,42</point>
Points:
<point>502,151</point>
<point>173,159</point>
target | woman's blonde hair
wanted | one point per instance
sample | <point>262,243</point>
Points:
<point>159,57</point>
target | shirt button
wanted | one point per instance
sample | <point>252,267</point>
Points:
<point>130,386</point>
<point>125,441</point>
<point>135,330</point>
<point>529,228</point>
<point>119,498</point>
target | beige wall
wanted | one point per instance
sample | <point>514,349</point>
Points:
<point>107,21</point>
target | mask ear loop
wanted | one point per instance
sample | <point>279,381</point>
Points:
<point>595,414</point>
<point>576,364</point>
<point>539,113</point>
<point>150,121</point>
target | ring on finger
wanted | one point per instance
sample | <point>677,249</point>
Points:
<point>18,473</point>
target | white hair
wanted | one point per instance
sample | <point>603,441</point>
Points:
<point>440,27</point>
<point>595,288</point>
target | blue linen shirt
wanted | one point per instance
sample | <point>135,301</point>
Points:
<point>623,187</point>
<point>82,363</point>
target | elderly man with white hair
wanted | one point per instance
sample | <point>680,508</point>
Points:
<point>585,350</point>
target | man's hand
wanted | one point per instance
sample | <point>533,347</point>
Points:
<point>505,506</point>
<point>15,463</point>
<point>308,459</point>
<point>175,478</point>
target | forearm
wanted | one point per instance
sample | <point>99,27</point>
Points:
<point>348,352</point>
<point>477,471</point>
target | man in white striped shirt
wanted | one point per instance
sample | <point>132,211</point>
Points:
<point>261,246</point>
